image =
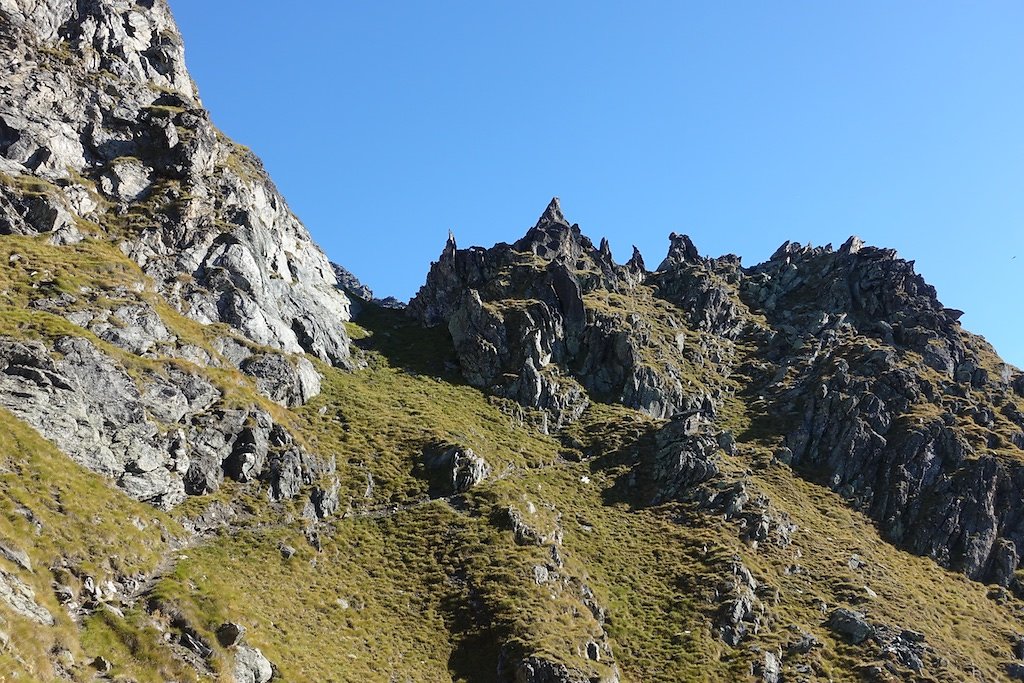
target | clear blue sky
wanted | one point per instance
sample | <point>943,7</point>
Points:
<point>743,124</point>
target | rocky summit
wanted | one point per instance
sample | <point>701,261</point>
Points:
<point>223,458</point>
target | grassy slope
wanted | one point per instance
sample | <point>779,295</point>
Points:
<point>403,573</point>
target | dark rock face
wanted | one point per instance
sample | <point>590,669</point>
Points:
<point>523,327</point>
<point>707,289</point>
<point>534,669</point>
<point>904,647</point>
<point>851,625</point>
<point>887,385</point>
<point>858,433</point>
<point>229,634</point>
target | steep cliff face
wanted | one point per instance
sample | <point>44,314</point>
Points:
<point>102,133</point>
<point>549,468</point>
<point>104,143</point>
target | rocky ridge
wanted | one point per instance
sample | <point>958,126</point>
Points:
<point>883,395</point>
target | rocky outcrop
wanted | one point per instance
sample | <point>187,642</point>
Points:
<point>169,438</point>
<point>706,289</point>
<point>904,648</point>
<point>868,375</point>
<point>880,441</point>
<point>19,597</point>
<point>288,382</point>
<point>538,670</point>
<point>102,133</point>
<point>740,612</point>
<point>539,322</point>
<point>888,386</point>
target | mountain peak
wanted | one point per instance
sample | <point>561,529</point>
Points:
<point>553,214</point>
<point>553,237</point>
<point>681,250</point>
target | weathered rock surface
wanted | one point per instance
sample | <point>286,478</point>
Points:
<point>904,647</point>
<point>22,599</point>
<point>159,443</point>
<point>251,666</point>
<point>887,385</point>
<point>534,669</point>
<point>99,120</point>
<point>288,382</point>
<point>540,322</point>
<point>460,468</point>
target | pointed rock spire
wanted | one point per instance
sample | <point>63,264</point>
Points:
<point>636,261</point>
<point>553,214</point>
<point>448,254</point>
<point>680,250</point>
<point>553,237</point>
<point>851,246</point>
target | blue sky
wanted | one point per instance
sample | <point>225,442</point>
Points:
<point>743,124</point>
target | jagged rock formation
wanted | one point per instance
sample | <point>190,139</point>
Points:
<point>171,438</point>
<point>522,327</point>
<point>877,382</point>
<point>900,409</point>
<point>103,136</point>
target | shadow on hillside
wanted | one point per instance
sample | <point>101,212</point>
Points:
<point>408,345</point>
<point>629,459</point>
<point>475,657</point>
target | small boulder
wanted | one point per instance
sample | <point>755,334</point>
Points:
<point>783,456</point>
<point>1018,646</point>
<point>540,574</point>
<point>251,666</point>
<point>727,442</point>
<point>230,634</point>
<point>853,626</point>
<point>803,643</point>
<point>461,468</point>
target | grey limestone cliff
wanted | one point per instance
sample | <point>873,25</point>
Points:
<point>102,131</point>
